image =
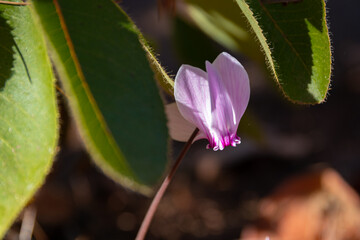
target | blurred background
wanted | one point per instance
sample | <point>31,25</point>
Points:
<point>295,175</point>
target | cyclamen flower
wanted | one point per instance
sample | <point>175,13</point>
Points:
<point>213,101</point>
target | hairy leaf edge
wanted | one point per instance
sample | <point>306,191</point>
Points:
<point>80,120</point>
<point>270,62</point>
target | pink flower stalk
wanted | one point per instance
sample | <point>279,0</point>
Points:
<point>213,101</point>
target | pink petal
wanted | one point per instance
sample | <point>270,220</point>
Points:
<point>192,97</point>
<point>236,82</point>
<point>222,112</point>
<point>179,128</point>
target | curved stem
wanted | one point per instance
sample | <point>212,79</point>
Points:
<point>155,202</point>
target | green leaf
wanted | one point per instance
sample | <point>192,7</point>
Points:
<point>223,22</point>
<point>295,40</point>
<point>28,113</point>
<point>104,67</point>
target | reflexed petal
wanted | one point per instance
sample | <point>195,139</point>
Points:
<point>192,97</point>
<point>179,128</point>
<point>236,82</point>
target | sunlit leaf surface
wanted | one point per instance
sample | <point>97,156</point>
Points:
<point>295,40</point>
<point>28,114</point>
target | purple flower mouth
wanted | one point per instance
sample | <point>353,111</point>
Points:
<point>220,144</point>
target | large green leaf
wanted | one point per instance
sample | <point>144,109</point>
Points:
<point>28,114</point>
<point>102,62</point>
<point>293,36</point>
<point>296,43</point>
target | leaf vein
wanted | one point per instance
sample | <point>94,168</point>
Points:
<point>285,37</point>
<point>14,103</point>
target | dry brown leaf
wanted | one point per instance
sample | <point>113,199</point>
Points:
<point>315,206</point>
